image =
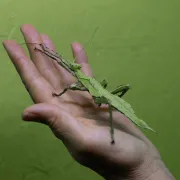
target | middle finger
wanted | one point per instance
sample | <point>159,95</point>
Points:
<point>65,77</point>
<point>41,61</point>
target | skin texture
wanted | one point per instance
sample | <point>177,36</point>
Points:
<point>81,125</point>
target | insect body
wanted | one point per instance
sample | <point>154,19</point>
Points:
<point>97,90</point>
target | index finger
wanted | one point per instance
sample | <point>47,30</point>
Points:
<point>30,76</point>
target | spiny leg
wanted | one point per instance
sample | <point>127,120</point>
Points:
<point>74,86</point>
<point>61,93</point>
<point>45,48</point>
<point>121,89</point>
<point>55,57</point>
<point>104,83</point>
<point>111,125</point>
<point>103,100</point>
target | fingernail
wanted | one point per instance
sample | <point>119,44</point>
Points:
<point>27,116</point>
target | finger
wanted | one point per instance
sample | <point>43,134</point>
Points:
<point>63,76</point>
<point>81,58</point>
<point>43,63</point>
<point>56,78</point>
<point>63,125</point>
<point>32,79</point>
<point>32,38</point>
<point>47,41</point>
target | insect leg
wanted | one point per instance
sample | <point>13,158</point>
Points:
<point>103,100</point>
<point>74,86</point>
<point>46,49</point>
<point>111,125</point>
<point>55,57</point>
<point>104,83</point>
<point>122,89</point>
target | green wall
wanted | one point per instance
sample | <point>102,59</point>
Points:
<point>138,40</point>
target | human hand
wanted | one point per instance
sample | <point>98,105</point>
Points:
<point>76,120</point>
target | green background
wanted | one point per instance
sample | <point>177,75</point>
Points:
<point>137,43</point>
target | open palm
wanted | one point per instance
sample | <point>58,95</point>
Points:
<point>74,118</point>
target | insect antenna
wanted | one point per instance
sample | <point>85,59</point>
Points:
<point>95,31</point>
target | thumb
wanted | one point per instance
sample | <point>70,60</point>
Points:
<point>61,123</point>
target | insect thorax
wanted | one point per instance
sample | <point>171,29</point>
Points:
<point>75,66</point>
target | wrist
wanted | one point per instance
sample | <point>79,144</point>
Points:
<point>160,172</point>
<point>148,171</point>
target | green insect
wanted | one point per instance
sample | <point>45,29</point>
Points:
<point>97,90</point>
